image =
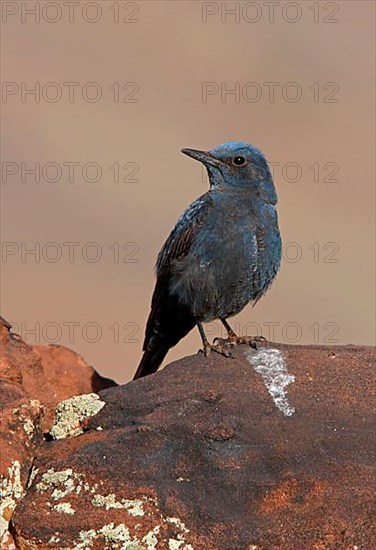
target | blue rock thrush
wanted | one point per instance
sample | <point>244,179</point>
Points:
<point>223,253</point>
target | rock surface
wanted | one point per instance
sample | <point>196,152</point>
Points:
<point>270,450</point>
<point>32,381</point>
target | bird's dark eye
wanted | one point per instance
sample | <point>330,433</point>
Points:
<point>238,161</point>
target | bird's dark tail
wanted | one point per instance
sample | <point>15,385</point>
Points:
<point>157,343</point>
<point>169,321</point>
<point>151,361</point>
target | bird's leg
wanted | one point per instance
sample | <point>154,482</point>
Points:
<point>208,347</point>
<point>233,339</point>
<point>231,334</point>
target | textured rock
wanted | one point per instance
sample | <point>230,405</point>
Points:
<point>66,374</point>
<point>33,380</point>
<point>270,450</point>
<point>71,415</point>
<point>20,425</point>
<point>47,373</point>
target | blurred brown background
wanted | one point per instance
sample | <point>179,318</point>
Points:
<point>325,291</point>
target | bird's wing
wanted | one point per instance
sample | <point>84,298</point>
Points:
<point>181,237</point>
<point>263,263</point>
<point>167,316</point>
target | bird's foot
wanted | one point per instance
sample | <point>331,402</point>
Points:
<point>216,347</point>
<point>233,340</point>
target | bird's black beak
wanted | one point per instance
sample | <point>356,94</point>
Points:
<point>202,156</point>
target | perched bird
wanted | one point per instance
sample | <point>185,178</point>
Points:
<point>223,253</point>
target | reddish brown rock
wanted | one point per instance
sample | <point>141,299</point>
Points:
<point>271,450</point>
<point>48,373</point>
<point>20,424</point>
<point>66,374</point>
<point>32,382</point>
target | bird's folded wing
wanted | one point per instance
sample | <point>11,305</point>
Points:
<point>181,237</point>
<point>165,309</point>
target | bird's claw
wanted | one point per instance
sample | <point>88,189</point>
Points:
<point>235,340</point>
<point>222,345</point>
<point>216,347</point>
<point>224,342</point>
<point>252,340</point>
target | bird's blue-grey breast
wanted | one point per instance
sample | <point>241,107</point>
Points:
<point>223,252</point>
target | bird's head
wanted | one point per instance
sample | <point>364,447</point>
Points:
<point>237,165</point>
